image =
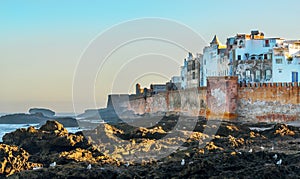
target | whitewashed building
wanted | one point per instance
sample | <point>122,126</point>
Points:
<point>251,56</point>
<point>214,62</point>
<point>286,62</point>
<point>183,75</point>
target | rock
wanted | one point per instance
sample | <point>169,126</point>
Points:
<point>51,137</point>
<point>124,151</point>
<point>45,112</point>
<point>37,118</point>
<point>14,159</point>
<point>22,119</point>
<point>53,126</point>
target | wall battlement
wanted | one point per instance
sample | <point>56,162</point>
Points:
<point>249,85</point>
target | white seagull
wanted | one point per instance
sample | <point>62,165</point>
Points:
<point>182,162</point>
<point>89,167</point>
<point>279,162</point>
<point>37,168</point>
<point>53,164</point>
<point>275,156</point>
<point>127,164</point>
<point>250,150</point>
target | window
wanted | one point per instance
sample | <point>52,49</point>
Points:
<point>248,74</point>
<point>194,75</point>
<point>193,65</point>
<point>265,56</point>
<point>247,55</point>
<point>239,57</point>
<point>278,60</point>
<point>257,75</point>
<point>267,43</point>
<point>268,75</point>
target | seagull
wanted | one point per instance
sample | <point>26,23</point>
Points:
<point>89,167</point>
<point>272,148</point>
<point>275,156</point>
<point>279,162</point>
<point>127,164</point>
<point>182,162</point>
<point>53,164</point>
<point>37,168</point>
<point>250,150</point>
<point>262,148</point>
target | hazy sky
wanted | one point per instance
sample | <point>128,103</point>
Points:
<point>41,42</point>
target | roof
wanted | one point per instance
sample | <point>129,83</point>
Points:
<point>215,40</point>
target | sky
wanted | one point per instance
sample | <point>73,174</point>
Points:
<point>42,42</point>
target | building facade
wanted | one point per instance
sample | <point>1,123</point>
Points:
<point>190,72</point>
<point>286,62</point>
<point>214,61</point>
<point>253,58</point>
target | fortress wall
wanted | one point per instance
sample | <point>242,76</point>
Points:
<point>269,101</point>
<point>222,93</point>
<point>223,98</point>
<point>189,102</point>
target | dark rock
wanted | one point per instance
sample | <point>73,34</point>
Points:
<point>14,159</point>
<point>22,118</point>
<point>37,118</point>
<point>45,112</point>
<point>51,137</point>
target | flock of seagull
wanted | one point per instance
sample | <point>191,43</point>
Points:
<point>89,167</point>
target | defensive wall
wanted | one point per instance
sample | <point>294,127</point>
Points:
<point>223,98</point>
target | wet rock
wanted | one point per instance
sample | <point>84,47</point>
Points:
<point>51,137</point>
<point>14,159</point>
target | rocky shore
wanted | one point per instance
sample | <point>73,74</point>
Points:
<point>212,150</point>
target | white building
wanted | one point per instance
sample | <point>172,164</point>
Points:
<point>251,56</point>
<point>183,75</point>
<point>214,62</point>
<point>190,71</point>
<point>286,62</point>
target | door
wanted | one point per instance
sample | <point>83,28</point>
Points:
<point>294,76</point>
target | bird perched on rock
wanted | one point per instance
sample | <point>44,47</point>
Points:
<point>275,156</point>
<point>53,164</point>
<point>182,162</point>
<point>279,162</point>
<point>250,150</point>
<point>89,167</point>
<point>127,164</point>
<point>37,168</point>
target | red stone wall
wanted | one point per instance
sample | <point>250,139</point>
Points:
<point>222,97</point>
<point>269,102</point>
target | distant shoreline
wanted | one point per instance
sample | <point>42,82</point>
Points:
<point>64,114</point>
